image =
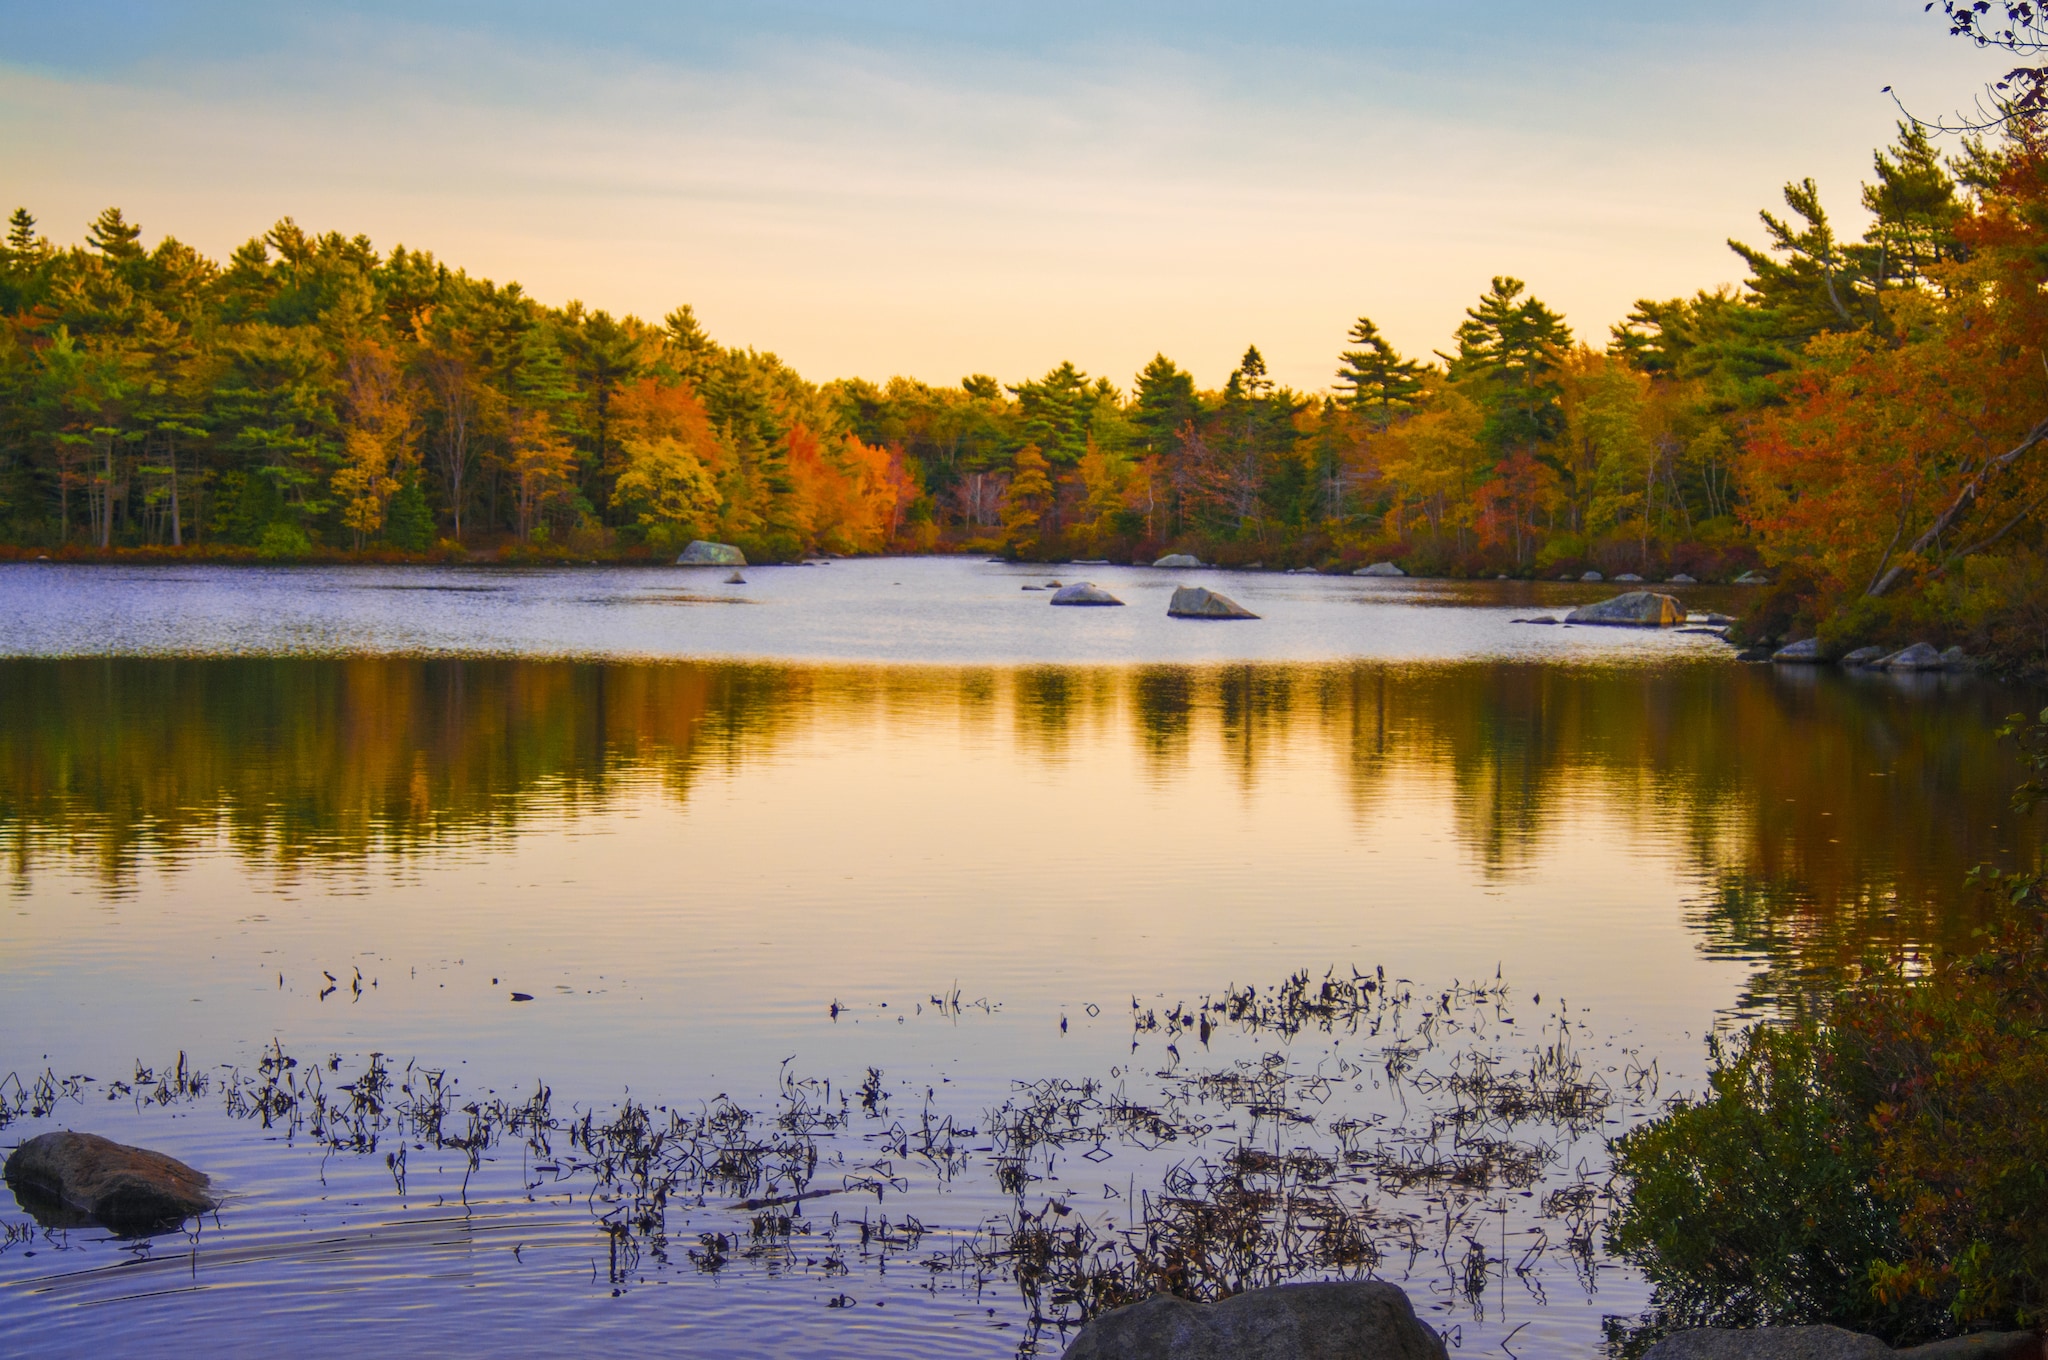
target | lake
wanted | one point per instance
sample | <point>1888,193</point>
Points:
<point>871,960</point>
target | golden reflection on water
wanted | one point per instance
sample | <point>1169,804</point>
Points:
<point>1821,816</point>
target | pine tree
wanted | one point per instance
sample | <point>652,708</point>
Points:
<point>1383,384</point>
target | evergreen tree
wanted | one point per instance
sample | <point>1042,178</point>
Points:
<point>1509,351</point>
<point>1382,384</point>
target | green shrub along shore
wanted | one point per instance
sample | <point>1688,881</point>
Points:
<point>1879,1161</point>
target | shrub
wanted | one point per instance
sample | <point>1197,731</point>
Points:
<point>1754,1206</point>
<point>1881,1164</point>
<point>280,540</point>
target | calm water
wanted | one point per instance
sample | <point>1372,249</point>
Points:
<point>935,829</point>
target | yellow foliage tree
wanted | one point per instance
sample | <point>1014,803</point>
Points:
<point>539,462</point>
<point>665,484</point>
<point>380,424</point>
<point>1432,462</point>
<point>1027,498</point>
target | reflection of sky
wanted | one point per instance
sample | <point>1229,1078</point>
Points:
<point>924,188</point>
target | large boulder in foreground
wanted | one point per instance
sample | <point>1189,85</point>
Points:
<point>1179,560</point>
<point>128,1189</point>
<point>1199,602</point>
<point>704,554</point>
<point>1352,1320</point>
<point>1637,609</point>
<point>1083,592</point>
<point>1380,569</point>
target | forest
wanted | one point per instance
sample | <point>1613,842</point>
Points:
<point>1857,418</point>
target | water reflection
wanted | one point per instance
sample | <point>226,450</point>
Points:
<point>1823,814</point>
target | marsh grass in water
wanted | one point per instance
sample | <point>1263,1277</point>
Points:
<point>1368,1128</point>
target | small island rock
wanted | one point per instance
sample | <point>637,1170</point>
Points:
<point>128,1189</point>
<point>1380,569</point>
<point>1956,659</point>
<point>1637,609</point>
<point>1806,651</point>
<point>1083,592</point>
<point>1348,1320</point>
<point>1628,576</point>
<point>1681,580</point>
<point>1592,576</point>
<point>1752,578</point>
<point>704,554</point>
<point>1198,602</point>
<point>1178,560</point>
<point>1861,657</point>
<point>1918,657</point>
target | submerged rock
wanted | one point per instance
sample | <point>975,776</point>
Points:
<point>1540,618</point>
<point>1806,651</point>
<point>1768,1343</point>
<point>1198,602</point>
<point>1179,560</point>
<point>1350,1320</point>
<point>701,553</point>
<point>1083,592</point>
<point>1637,609</point>
<point>1982,1346</point>
<point>1380,569</point>
<point>128,1189</point>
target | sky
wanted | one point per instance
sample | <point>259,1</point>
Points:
<point>880,187</point>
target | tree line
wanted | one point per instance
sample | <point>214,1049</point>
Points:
<point>1844,415</point>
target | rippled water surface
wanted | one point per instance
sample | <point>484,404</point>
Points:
<point>881,873</point>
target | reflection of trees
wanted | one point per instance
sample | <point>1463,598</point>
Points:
<point>1824,814</point>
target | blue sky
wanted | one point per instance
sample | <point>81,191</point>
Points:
<point>934,189</point>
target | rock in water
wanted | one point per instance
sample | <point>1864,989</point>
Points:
<point>128,1189</point>
<point>1083,592</point>
<point>735,580</point>
<point>1752,578</point>
<point>1805,651</point>
<point>1861,657</point>
<point>703,554</point>
<point>1380,569</point>
<point>1178,560</point>
<point>1198,602</point>
<point>1592,576</point>
<point>1353,1320</point>
<point>1918,657</point>
<point>1682,580</point>
<point>1637,609</point>
<point>1628,576</point>
<point>1956,659</point>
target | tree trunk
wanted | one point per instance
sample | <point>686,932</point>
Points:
<point>1959,507</point>
<point>177,526</point>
